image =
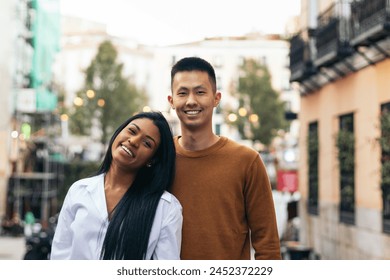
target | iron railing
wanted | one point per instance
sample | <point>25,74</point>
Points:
<point>333,34</point>
<point>301,64</point>
<point>370,20</point>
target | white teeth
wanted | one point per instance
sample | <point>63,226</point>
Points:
<point>192,112</point>
<point>127,150</point>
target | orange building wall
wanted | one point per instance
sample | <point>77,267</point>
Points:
<point>360,93</point>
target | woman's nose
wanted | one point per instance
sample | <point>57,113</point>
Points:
<point>133,141</point>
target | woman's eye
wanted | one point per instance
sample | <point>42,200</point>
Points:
<point>148,144</point>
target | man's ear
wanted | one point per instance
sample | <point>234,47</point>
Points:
<point>217,98</point>
<point>170,100</point>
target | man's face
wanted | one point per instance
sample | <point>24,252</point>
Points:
<point>193,99</point>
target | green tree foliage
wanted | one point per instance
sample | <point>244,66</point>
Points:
<point>256,94</point>
<point>111,99</point>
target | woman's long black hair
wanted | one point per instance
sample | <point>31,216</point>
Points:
<point>129,229</point>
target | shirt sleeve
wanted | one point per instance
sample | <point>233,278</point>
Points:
<point>169,243</point>
<point>260,211</point>
<point>63,236</point>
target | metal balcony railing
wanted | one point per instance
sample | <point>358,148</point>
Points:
<point>333,34</point>
<point>350,35</point>
<point>301,65</point>
<point>370,21</point>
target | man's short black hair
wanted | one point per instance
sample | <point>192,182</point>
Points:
<point>195,64</point>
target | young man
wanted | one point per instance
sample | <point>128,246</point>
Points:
<point>223,186</point>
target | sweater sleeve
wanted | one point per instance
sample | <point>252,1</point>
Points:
<point>260,211</point>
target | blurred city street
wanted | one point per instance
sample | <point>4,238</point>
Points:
<point>305,83</point>
<point>12,248</point>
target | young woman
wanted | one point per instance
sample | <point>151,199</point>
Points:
<point>125,211</point>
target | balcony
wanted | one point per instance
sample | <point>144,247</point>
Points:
<point>301,64</point>
<point>348,37</point>
<point>333,35</point>
<point>370,21</point>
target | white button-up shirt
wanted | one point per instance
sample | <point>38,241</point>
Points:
<point>83,222</point>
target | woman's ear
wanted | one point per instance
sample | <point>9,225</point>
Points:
<point>153,161</point>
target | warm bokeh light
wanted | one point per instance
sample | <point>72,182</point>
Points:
<point>64,117</point>
<point>242,112</point>
<point>146,109</point>
<point>232,117</point>
<point>253,118</point>
<point>78,101</point>
<point>90,94</point>
<point>101,102</point>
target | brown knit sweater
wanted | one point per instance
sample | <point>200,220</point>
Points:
<point>227,200</point>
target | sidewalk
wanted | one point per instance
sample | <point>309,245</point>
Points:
<point>12,248</point>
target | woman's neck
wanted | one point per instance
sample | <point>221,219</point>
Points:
<point>116,178</point>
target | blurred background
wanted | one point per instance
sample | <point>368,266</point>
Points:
<point>304,82</point>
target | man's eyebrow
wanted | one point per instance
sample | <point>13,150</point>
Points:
<point>147,136</point>
<point>201,86</point>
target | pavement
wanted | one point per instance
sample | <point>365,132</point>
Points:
<point>12,248</point>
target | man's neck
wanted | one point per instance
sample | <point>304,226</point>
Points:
<point>196,141</point>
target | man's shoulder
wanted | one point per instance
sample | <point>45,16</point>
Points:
<point>240,148</point>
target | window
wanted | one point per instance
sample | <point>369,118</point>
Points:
<point>385,161</point>
<point>346,157</point>
<point>313,150</point>
<point>218,129</point>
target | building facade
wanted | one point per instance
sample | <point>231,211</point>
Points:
<point>340,61</point>
<point>31,44</point>
<point>7,9</point>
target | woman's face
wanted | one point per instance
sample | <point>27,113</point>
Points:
<point>136,144</point>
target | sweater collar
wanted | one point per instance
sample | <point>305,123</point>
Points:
<point>200,153</point>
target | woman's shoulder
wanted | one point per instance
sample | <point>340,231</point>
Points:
<point>86,183</point>
<point>169,199</point>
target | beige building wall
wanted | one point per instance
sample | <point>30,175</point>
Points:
<point>7,30</point>
<point>360,93</point>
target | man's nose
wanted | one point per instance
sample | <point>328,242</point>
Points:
<point>191,100</point>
